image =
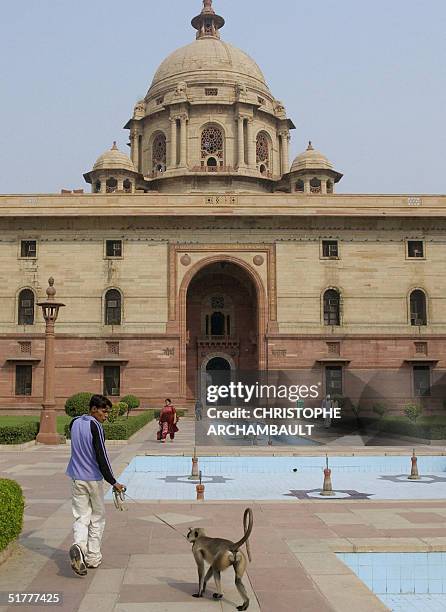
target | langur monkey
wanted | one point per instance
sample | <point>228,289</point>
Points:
<point>220,554</point>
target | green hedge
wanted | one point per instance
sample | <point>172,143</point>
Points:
<point>11,511</point>
<point>78,404</point>
<point>429,428</point>
<point>18,434</point>
<point>123,428</point>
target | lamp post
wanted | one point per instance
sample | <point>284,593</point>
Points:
<point>48,429</point>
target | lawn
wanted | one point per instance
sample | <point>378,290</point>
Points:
<point>62,420</point>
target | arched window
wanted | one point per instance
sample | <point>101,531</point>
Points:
<point>300,187</point>
<point>112,307</point>
<point>111,185</point>
<point>418,310</point>
<point>217,324</point>
<point>212,146</point>
<point>127,185</point>
<point>97,187</point>
<point>332,307</point>
<point>159,153</point>
<point>262,152</point>
<point>26,307</point>
<point>329,186</point>
<point>315,185</point>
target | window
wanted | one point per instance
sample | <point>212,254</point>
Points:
<point>421,381</point>
<point>127,186</point>
<point>23,379</point>
<point>97,187</point>
<point>160,100</point>
<point>112,307</point>
<point>332,307</point>
<point>262,152</point>
<point>300,186</point>
<point>212,145</point>
<point>418,308</point>
<point>28,248</point>
<point>112,380</point>
<point>159,153</point>
<point>113,248</point>
<point>333,380</point>
<point>415,248</point>
<point>330,248</point>
<point>26,307</point>
<point>111,185</point>
<point>211,91</point>
<point>315,185</point>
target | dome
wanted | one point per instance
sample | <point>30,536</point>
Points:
<point>114,159</point>
<point>209,59</point>
<point>311,159</point>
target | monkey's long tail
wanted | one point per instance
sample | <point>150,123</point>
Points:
<point>247,532</point>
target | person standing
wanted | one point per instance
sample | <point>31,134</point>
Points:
<point>198,410</point>
<point>168,421</point>
<point>88,467</point>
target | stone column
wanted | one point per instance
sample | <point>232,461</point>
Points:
<point>134,147</point>
<point>251,146</point>
<point>323,186</point>
<point>285,155</point>
<point>241,142</point>
<point>307,184</point>
<point>173,142</point>
<point>120,186</point>
<point>183,142</point>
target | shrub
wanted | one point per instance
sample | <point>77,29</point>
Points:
<point>122,408</point>
<point>124,428</point>
<point>78,404</point>
<point>356,409</point>
<point>132,402</point>
<point>413,412</point>
<point>11,511</point>
<point>379,409</point>
<point>113,413</point>
<point>18,434</point>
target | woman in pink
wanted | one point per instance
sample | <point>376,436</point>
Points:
<point>168,421</point>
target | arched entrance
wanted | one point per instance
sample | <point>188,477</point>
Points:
<point>222,322</point>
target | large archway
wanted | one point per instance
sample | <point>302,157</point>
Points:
<point>222,320</point>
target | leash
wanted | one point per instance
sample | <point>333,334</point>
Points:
<point>119,501</point>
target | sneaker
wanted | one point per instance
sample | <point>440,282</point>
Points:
<point>77,560</point>
<point>93,566</point>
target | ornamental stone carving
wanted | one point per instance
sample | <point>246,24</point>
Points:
<point>185,260</point>
<point>258,260</point>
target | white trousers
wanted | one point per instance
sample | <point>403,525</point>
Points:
<point>88,506</point>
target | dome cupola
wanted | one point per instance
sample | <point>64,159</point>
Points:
<point>312,172</point>
<point>113,171</point>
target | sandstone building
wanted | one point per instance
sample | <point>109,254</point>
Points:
<point>207,249</point>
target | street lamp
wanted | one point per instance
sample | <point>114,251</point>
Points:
<point>48,428</point>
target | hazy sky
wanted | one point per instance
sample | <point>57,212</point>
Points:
<point>365,80</point>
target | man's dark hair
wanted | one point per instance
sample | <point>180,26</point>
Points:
<point>99,401</point>
<point>168,400</point>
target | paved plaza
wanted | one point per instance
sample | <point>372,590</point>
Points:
<point>149,567</point>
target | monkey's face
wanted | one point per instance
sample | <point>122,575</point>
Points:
<point>194,533</point>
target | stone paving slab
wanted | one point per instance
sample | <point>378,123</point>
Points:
<point>148,567</point>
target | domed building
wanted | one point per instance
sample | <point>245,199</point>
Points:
<point>204,250</point>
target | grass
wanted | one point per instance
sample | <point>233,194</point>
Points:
<point>62,420</point>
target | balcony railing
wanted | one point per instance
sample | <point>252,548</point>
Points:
<point>227,341</point>
<point>212,169</point>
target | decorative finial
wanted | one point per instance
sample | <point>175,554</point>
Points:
<point>310,146</point>
<point>51,292</point>
<point>207,22</point>
<point>114,147</point>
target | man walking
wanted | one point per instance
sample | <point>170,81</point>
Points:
<point>88,466</point>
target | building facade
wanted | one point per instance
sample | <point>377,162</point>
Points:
<point>205,249</point>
